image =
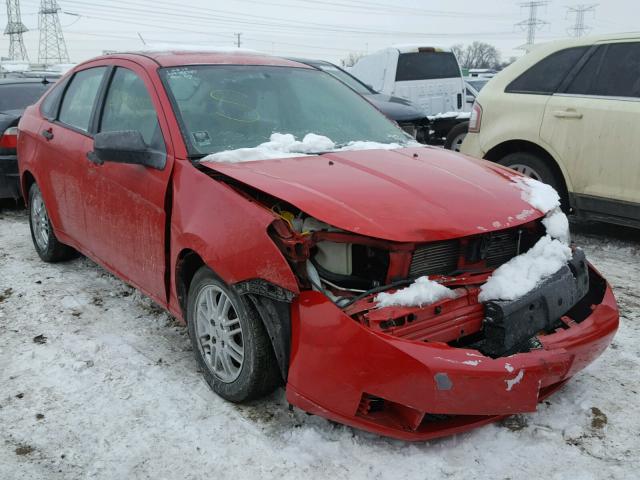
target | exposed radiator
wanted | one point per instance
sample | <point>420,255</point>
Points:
<point>442,258</point>
<point>503,246</point>
<point>435,258</point>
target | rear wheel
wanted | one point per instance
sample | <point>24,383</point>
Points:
<point>48,247</point>
<point>456,136</point>
<point>229,341</point>
<point>530,165</point>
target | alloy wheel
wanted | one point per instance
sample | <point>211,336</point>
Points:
<point>40,221</point>
<point>219,333</point>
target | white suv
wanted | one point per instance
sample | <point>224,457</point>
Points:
<point>568,113</point>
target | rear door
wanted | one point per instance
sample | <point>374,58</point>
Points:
<point>65,140</point>
<point>592,125</point>
<point>431,79</point>
<point>126,204</point>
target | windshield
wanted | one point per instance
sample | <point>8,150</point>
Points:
<point>228,107</point>
<point>18,96</point>
<point>427,66</point>
<point>347,79</point>
<point>477,84</point>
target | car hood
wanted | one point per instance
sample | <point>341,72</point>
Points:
<point>396,108</point>
<point>406,195</point>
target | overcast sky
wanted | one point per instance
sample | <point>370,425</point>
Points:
<point>320,29</point>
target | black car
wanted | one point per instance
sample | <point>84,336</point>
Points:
<point>408,116</point>
<point>16,94</point>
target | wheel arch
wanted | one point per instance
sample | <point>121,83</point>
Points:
<point>496,153</point>
<point>26,180</point>
<point>270,301</point>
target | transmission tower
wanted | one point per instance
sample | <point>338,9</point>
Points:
<point>53,48</point>
<point>15,28</point>
<point>532,23</point>
<point>579,28</point>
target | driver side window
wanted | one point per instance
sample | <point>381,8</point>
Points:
<point>128,106</point>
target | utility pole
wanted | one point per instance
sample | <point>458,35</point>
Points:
<point>15,28</point>
<point>52,48</point>
<point>532,23</point>
<point>238,41</point>
<point>579,28</point>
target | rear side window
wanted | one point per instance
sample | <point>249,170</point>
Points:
<point>18,96</point>
<point>546,75</point>
<point>78,102</point>
<point>612,71</point>
<point>49,106</point>
<point>426,66</point>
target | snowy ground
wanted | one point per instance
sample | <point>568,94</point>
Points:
<point>97,382</point>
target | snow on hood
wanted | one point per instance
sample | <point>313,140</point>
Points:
<point>285,146</point>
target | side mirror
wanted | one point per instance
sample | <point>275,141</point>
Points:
<point>125,146</point>
<point>471,99</point>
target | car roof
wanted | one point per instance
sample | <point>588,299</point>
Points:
<point>586,40</point>
<point>214,56</point>
<point>311,62</point>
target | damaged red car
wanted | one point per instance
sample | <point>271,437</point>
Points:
<point>306,240</point>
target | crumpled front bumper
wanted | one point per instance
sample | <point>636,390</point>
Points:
<point>412,390</point>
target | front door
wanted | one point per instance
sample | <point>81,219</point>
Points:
<point>126,208</point>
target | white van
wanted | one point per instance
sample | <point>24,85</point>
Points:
<point>429,77</point>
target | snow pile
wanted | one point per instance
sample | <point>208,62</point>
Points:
<point>521,274</point>
<point>557,225</point>
<point>537,194</point>
<point>544,198</point>
<point>422,292</point>
<point>285,145</point>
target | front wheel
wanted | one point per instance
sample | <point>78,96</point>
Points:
<point>229,341</point>
<point>530,165</point>
<point>47,245</point>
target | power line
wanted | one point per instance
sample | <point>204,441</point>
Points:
<point>15,28</point>
<point>532,23</point>
<point>579,28</point>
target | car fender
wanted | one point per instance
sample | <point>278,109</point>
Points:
<point>227,230</point>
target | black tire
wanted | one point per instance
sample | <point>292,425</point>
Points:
<point>54,250</point>
<point>259,373</point>
<point>543,172</point>
<point>454,135</point>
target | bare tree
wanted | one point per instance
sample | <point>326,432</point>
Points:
<point>477,55</point>
<point>351,59</point>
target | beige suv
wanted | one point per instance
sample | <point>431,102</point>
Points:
<point>568,113</point>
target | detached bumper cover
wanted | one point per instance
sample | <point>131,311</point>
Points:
<point>410,390</point>
<point>9,178</point>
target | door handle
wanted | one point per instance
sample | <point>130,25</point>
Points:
<point>48,134</point>
<point>570,113</point>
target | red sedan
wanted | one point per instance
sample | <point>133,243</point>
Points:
<point>306,240</point>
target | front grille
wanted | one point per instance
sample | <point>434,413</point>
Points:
<point>503,246</point>
<point>439,258</point>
